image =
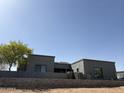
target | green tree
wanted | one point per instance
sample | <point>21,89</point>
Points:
<point>14,53</point>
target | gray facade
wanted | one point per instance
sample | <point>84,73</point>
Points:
<point>35,61</point>
<point>95,69</point>
<point>42,63</point>
<point>48,75</point>
<point>91,69</point>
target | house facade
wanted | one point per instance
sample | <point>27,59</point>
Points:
<point>95,69</point>
<point>92,69</point>
<point>42,63</point>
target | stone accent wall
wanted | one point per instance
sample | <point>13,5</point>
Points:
<point>35,83</point>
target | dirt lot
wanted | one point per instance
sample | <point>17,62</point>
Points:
<point>66,90</point>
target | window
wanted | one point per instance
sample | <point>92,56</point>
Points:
<point>98,73</point>
<point>40,68</point>
<point>43,68</point>
<point>77,69</point>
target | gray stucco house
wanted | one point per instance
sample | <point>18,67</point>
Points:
<point>95,69</point>
<point>43,63</point>
<point>91,69</point>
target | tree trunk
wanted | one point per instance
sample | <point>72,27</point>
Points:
<point>10,65</point>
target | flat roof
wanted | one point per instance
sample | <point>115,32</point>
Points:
<point>77,61</point>
<point>93,60</point>
<point>62,63</point>
<point>42,55</point>
<point>100,60</point>
<point>120,72</point>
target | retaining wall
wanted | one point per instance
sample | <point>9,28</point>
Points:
<point>36,83</point>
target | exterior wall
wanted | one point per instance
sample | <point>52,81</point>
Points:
<point>33,60</point>
<point>45,84</point>
<point>78,65</point>
<point>48,75</point>
<point>109,71</point>
<point>120,75</point>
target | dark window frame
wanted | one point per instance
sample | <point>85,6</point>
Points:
<point>40,65</point>
<point>97,74</point>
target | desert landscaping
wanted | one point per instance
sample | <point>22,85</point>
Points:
<point>65,90</point>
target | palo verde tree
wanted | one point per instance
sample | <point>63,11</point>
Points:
<point>14,53</point>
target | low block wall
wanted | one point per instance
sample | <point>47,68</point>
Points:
<point>36,83</point>
<point>14,74</point>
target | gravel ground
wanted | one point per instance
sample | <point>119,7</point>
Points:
<point>65,90</point>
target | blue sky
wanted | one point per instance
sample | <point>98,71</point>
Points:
<point>67,29</point>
